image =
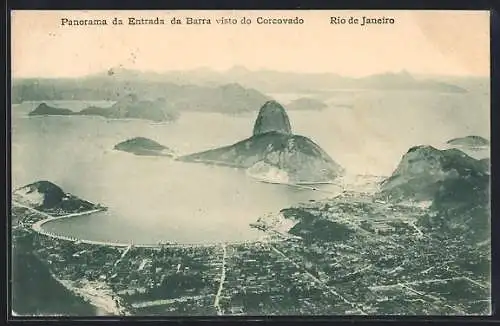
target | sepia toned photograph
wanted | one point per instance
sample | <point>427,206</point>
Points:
<point>250,163</point>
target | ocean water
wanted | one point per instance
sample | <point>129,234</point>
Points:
<point>156,198</point>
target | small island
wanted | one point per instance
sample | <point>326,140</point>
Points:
<point>469,141</point>
<point>128,107</point>
<point>144,146</point>
<point>44,109</point>
<point>306,103</point>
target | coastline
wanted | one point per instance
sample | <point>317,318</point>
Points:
<point>37,292</point>
<point>97,294</point>
<point>306,186</point>
<point>37,227</point>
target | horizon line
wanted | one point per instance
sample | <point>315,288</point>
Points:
<point>259,70</point>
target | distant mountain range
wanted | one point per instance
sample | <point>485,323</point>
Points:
<point>226,98</point>
<point>277,81</point>
<point>234,90</point>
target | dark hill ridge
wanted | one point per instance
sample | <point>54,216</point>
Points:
<point>143,146</point>
<point>311,227</point>
<point>462,208</point>
<point>469,141</point>
<point>423,169</point>
<point>37,292</point>
<point>456,184</point>
<point>273,153</point>
<point>272,117</point>
<point>486,163</point>
<point>46,196</point>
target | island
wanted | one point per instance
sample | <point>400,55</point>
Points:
<point>469,141</point>
<point>128,107</point>
<point>44,109</point>
<point>131,107</point>
<point>273,153</point>
<point>306,103</point>
<point>144,146</point>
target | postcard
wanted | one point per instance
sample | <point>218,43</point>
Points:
<point>255,163</point>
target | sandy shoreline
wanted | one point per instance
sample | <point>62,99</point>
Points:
<point>97,294</point>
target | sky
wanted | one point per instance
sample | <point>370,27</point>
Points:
<point>422,42</point>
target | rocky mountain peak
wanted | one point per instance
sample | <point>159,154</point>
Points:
<point>40,193</point>
<point>272,117</point>
<point>423,169</point>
